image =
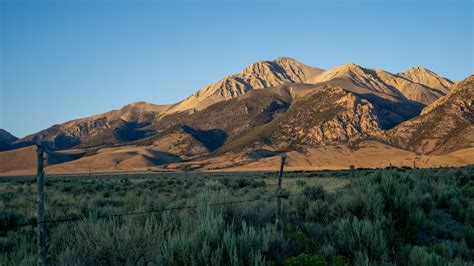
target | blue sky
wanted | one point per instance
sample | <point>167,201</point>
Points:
<point>62,60</point>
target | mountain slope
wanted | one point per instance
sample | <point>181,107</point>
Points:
<point>328,115</point>
<point>209,128</point>
<point>428,78</point>
<point>25,159</point>
<point>205,121</point>
<point>6,139</point>
<point>270,114</point>
<point>404,86</point>
<point>109,128</point>
<point>444,126</point>
<point>259,75</point>
<point>365,80</point>
<point>418,92</point>
<point>6,136</point>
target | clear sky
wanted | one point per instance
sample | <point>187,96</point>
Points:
<point>62,60</point>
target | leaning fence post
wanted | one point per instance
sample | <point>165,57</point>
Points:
<point>279,193</point>
<point>42,240</point>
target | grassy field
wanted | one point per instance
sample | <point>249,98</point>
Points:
<point>382,217</point>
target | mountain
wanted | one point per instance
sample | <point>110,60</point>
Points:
<point>6,139</point>
<point>269,115</point>
<point>328,115</point>
<point>260,75</point>
<point>271,107</point>
<point>444,126</point>
<point>424,89</point>
<point>395,98</point>
<point>117,126</point>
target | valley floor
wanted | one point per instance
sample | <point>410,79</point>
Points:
<point>368,154</point>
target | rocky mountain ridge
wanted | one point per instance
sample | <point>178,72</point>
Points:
<point>281,103</point>
<point>263,74</point>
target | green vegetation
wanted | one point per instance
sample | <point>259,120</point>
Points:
<point>381,217</point>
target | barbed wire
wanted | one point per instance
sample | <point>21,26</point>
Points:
<point>73,219</point>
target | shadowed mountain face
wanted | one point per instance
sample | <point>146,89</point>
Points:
<point>281,103</point>
<point>6,139</point>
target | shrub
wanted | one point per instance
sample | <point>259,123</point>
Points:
<point>340,261</point>
<point>470,216</point>
<point>377,221</point>
<point>427,203</point>
<point>305,260</point>
<point>318,211</point>
<point>300,182</point>
<point>328,250</point>
<point>257,183</point>
<point>6,245</point>
<point>439,249</point>
<point>468,236</point>
<point>445,195</point>
<point>7,196</point>
<point>354,236</point>
<point>468,189</point>
<point>313,192</point>
<point>11,218</point>
<point>422,256</point>
<point>419,256</point>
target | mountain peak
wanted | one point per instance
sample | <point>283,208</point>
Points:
<point>427,77</point>
<point>273,67</point>
<point>349,69</point>
<point>286,59</point>
<point>259,75</point>
<point>421,70</point>
<point>351,66</point>
<point>137,103</point>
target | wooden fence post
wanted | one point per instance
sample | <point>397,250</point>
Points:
<point>279,193</point>
<point>352,170</point>
<point>42,240</point>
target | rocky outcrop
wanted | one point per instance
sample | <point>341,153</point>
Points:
<point>329,116</point>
